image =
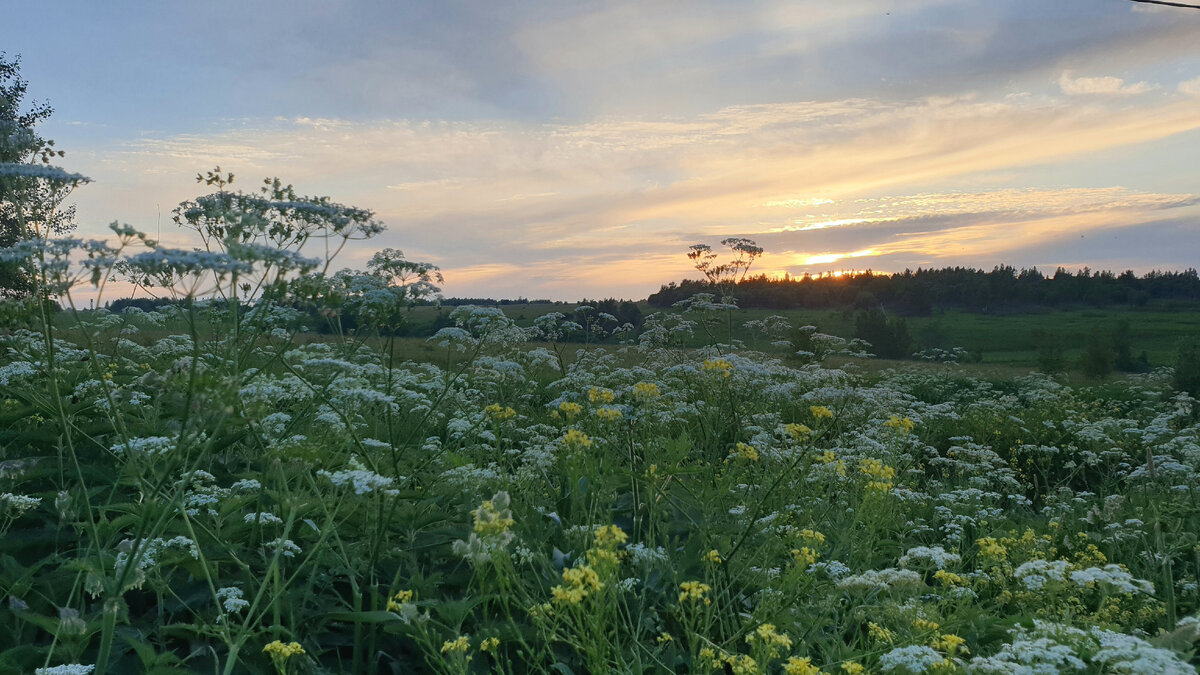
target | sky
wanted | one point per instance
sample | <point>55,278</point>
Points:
<point>577,149</point>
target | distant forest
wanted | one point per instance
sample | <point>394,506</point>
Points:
<point>1004,289</point>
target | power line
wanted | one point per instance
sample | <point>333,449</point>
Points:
<point>1169,4</point>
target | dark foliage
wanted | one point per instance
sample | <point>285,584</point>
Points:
<point>1003,290</point>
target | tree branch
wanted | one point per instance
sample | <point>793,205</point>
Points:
<point>1169,4</point>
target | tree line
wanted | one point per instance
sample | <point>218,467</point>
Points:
<point>1004,289</point>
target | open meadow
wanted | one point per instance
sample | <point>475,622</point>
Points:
<point>197,489</point>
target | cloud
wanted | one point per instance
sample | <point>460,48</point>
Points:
<point>1190,87</point>
<point>560,205</point>
<point>1100,86</point>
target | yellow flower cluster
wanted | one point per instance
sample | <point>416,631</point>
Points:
<point>695,591</point>
<point>578,583</point>
<point>812,536</point>
<point>608,414</point>
<point>739,664</point>
<point>570,409</point>
<point>805,556</point>
<point>880,633</point>
<point>713,557</point>
<point>769,640</point>
<point>852,668</point>
<point>721,366</point>
<point>903,425</point>
<point>492,518</point>
<point>459,645</point>
<point>599,395</point>
<point>828,457</point>
<point>397,601</point>
<point>498,413</point>
<point>798,665</point>
<point>610,536</point>
<point>950,644</point>
<point>990,548</point>
<point>797,431</point>
<point>283,651</point>
<point>646,391</point>
<point>747,452</point>
<point>489,645</point>
<point>820,412</point>
<point>950,578</point>
<point>575,438</point>
<point>881,474</point>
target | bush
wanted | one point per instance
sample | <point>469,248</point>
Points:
<point>1187,366</point>
<point>1098,358</point>
<point>888,336</point>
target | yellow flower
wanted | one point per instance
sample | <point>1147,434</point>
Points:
<point>812,536</point>
<point>489,645</point>
<point>578,583</point>
<point>774,642</point>
<point>460,645</point>
<point>742,664</point>
<point>713,557</point>
<point>990,548</point>
<point>493,515</point>
<point>609,414</point>
<point>721,366</point>
<point>598,395</point>
<point>664,638</point>
<point>498,413</point>
<point>575,438</point>
<point>950,578</point>
<point>852,668</point>
<point>797,431</point>
<point>950,644</point>
<point>800,666</point>
<point>610,536</point>
<point>924,624</point>
<point>279,650</point>
<point>904,425</point>
<point>570,409</point>
<point>880,473</point>
<point>397,601</point>
<point>805,556</point>
<point>695,591</point>
<point>747,452</point>
<point>645,391</point>
<point>880,633</point>
<point>820,412</point>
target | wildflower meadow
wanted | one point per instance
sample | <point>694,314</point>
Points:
<point>214,487</point>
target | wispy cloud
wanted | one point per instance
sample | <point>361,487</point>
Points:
<point>503,203</point>
<point>1100,86</point>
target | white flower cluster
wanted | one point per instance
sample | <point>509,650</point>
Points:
<point>68,669</point>
<point>910,659</point>
<point>880,580</point>
<point>925,557</point>
<point>231,599</point>
<point>151,549</point>
<point>285,547</point>
<point>150,445</point>
<point>1114,576</point>
<point>361,478</point>
<point>1035,573</point>
<point>19,504</point>
<point>1049,647</point>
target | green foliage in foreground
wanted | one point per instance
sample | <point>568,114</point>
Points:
<point>244,503</point>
